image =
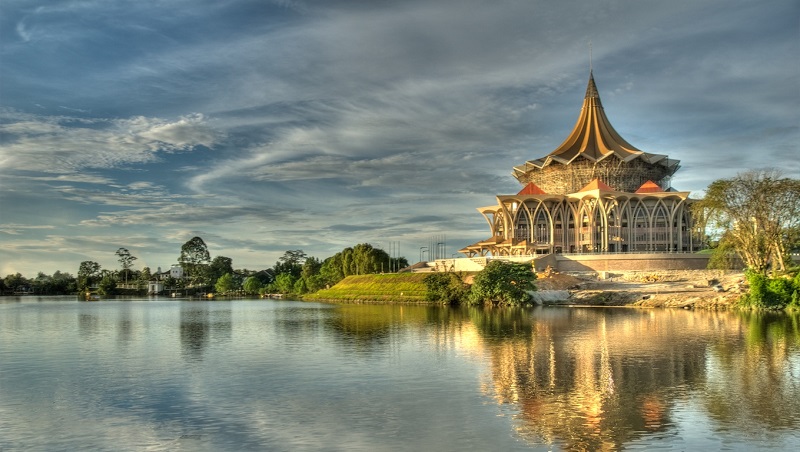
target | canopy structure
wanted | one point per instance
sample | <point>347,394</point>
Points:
<point>595,149</point>
<point>595,193</point>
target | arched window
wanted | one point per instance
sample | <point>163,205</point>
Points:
<point>541,229</point>
<point>641,229</point>
<point>558,231</point>
<point>660,231</point>
<point>522,224</point>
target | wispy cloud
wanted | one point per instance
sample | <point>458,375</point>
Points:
<point>63,144</point>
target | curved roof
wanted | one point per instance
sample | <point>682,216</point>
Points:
<point>594,138</point>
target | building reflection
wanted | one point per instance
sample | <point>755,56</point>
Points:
<point>591,379</point>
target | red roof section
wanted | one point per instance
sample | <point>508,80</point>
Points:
<point>596,184</point>
<point>531,189</point>
<point>649,187</point>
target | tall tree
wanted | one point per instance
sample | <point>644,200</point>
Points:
<point>88,272</point>
<point>126,261</point>
<point>757,212</point>
<point>194,259</point>
<point>220,266</point>
<point>291,262</point>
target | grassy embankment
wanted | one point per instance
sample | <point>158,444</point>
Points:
<point>396,287</point>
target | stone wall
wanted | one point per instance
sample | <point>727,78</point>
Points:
<point>583,262</point>
<point>630,262</point>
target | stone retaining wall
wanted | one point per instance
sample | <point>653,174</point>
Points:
<point>630,262</point>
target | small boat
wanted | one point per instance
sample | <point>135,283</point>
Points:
<point>92,296</point>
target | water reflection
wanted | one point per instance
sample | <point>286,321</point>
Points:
<point>88,324</point>
<point>200,321</point>
<point>754,376</point>
<point>125,324</point>
<point>597,379</point>
<point>284,375</point>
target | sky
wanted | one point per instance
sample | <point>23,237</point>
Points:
<point>266,126</point>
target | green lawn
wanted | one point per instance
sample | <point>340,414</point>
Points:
<point>397,287</point>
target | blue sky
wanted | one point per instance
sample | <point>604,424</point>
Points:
<point>263,126</point>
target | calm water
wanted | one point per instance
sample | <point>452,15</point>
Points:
<point>165,374</point>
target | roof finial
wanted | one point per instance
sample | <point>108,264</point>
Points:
<point>590,56</point>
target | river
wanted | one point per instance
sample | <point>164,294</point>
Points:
<point>166,374</point>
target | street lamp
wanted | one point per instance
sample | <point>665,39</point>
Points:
<point>422,249</point>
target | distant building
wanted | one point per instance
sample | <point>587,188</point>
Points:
<point>595,193</point>
<point>155,287</point>
<point>176,271</point>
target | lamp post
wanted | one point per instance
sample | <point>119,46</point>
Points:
<point>422,250</point>
<point>437,253</point>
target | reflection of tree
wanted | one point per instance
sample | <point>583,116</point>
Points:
<point>589,379</point>
<point>298,325</point>
<point>125,326</point>
<point>370,328</point>
<point>200,321</point>
<point>88,324</point>
<point>754,372</point>
<point>194,329</point>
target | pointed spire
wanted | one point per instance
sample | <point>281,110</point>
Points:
<point>594,139</point>
<point>591,90</point>
<point>593,136</point>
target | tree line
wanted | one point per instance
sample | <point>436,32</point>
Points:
<point>294,273</point>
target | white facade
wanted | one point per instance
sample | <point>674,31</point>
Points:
<point>176,271</point>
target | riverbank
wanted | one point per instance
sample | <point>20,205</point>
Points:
<point>689,289</point>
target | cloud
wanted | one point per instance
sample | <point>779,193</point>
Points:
<point>63,144</point>
<point>14,229</point>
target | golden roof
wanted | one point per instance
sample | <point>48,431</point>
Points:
<point>595,139</point>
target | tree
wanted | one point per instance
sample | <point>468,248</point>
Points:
<point>220,266</point>
<point>311,267</point>
<point>757,212</point>
<point>225,283</point>
<point>144,277</point>
<point>194,259</point>
<point>64,283</point>
<point>504,283</point>
<point>359,260</point>
<point>126,261</point>
<point>107,285</point>
<point>252,285</point>
<point>88,273</point>
<point>723,257</point>
<point>16,282</point>
<point>291,262</point>
<point>284,283</point>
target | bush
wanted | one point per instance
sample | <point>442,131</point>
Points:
<point>771,292</point>
<point>503,283</point>
<point>445,288</point>
<point>780,290</point>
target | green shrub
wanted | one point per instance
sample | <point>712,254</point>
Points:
<point>780,291</point>
<point>445,288</point>
<point>504,283</point>
<point>770,292</point>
